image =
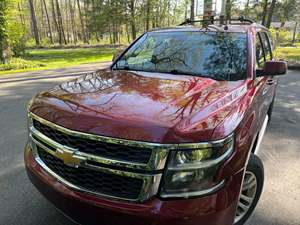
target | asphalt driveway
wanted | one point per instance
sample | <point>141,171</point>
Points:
<point>21,204</point>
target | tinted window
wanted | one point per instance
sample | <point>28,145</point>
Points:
<point>260,57</point>
<point>266,45</point>
<point>218,55</point>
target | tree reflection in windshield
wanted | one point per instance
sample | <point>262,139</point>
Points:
<point>218,55</point>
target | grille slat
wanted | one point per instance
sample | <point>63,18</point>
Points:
<point>98,148</point>
<point>93,180</point>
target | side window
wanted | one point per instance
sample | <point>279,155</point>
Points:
<point>260,56</point>
<point>267,46</point>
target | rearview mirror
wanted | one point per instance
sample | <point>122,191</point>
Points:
<point>272,68</point>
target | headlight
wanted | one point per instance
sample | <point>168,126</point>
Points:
<point>192,170</point>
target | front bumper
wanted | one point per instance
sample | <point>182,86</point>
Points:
<point>216,209</point>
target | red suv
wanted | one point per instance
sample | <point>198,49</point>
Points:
<point>167,135</point>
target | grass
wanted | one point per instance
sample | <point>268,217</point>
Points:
<point>288,53</point>
<point>19,63</point>
<point>42,59</point>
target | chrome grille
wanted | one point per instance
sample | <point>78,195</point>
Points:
<point>105,173</point>
<point>98,148</point>
<point>93,180</point>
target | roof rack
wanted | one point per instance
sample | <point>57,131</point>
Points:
<point>221,20</point>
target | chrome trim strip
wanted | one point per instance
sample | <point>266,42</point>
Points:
<point>111,140</point>
<point>141,144</point>
<point>210,144</point>
<point>88,157</point>
<point>157,159</point>
<point>150,182</point>
<point>261,135</point>
<point>194,193</point>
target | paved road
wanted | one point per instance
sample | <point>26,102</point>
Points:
<point>21,204</point>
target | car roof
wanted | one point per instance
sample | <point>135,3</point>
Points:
<point>231,28</point>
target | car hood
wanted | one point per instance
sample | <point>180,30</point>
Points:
<point>141,106</point>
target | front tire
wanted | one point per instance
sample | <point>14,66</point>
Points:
<point>251,190</point>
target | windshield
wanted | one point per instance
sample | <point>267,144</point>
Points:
<point>218,55</point>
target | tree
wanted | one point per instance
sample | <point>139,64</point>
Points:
<point>265,10</point>
<point>34,23</point>
<point>3,31</point>
<point>270,14</point>
<point>286,11</point>
<point>294,32</point>
<point>132,18</point>
<point>48,22</point>
<point>55,22</point>
<point>228,9</point>
<point>192,10</point>
<point>148,6</point>
<point>74,21</point>
<point>60,23</point>
<point>82,23</point>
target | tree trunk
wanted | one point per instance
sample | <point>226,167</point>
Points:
<point>91,24</point>
<point>247,8</point>
<point>82,23</point>
<point>56,23</point>
<point>21,15</point>
<point>282,23</point>
<point>60,23</point>
<point>148,5</point>
<point>228,9</point>
<point>73,24</point>
<point>192,17</point>
<point>208,12</point>
<point>127,33</point>
<point>4,47</point>
<point>48,22</point>
<point>67,20</point>
<point>265,10</point>
<point>43,31</point>
<point>34,23</point>
<point>132,19</point>
<point>270,15</point>
<point>294,33</point>
<point>86,24</point>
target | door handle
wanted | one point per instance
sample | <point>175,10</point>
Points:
<point>270,82</point>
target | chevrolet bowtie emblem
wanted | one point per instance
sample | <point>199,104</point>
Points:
<point>69,157</point>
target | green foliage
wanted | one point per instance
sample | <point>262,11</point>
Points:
<point>286,10</point>
<point>12,40</point>
<point>3,27</point>
<point>18,63</point>
<point>282,36</point>
<point>15,31</point>
<point>288,53</point>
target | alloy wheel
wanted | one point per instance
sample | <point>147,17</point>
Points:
<point>247,196</point>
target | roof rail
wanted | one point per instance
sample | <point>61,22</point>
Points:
<point>221,19</point>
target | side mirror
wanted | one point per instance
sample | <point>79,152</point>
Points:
<point>117,54</point>
<point>272,68</point>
